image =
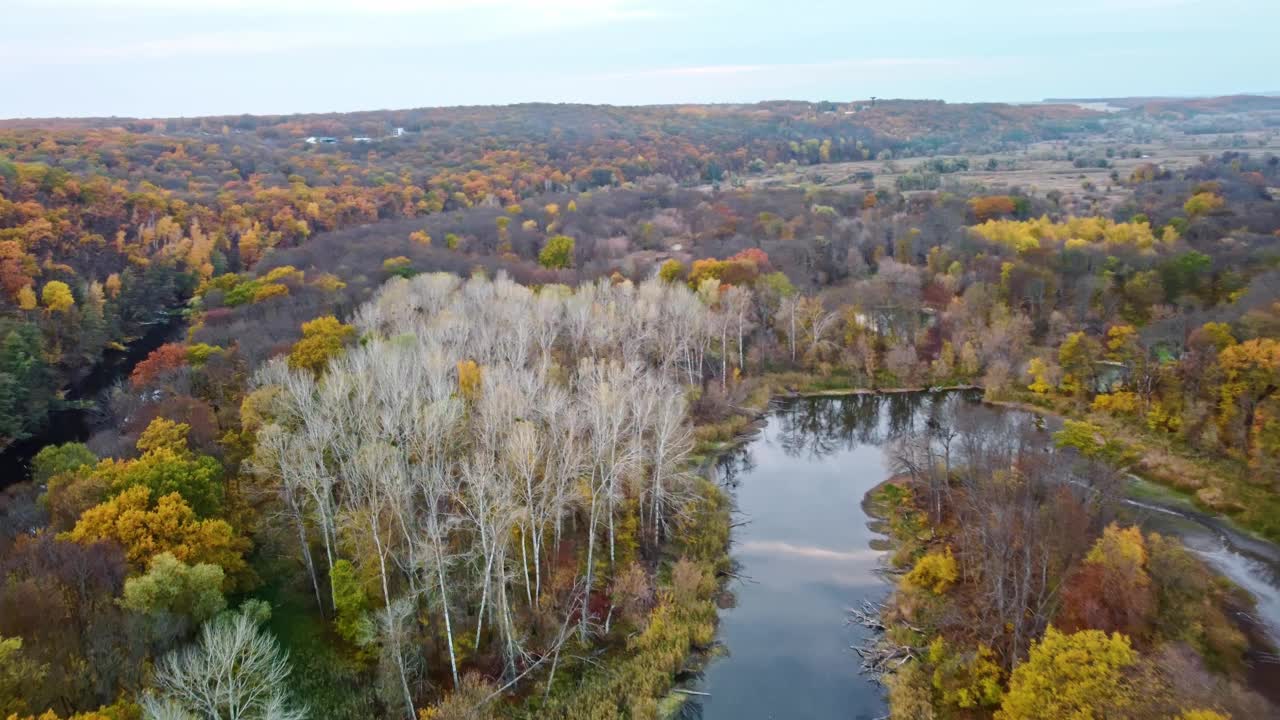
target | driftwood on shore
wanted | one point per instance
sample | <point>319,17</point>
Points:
<point>879,656</point>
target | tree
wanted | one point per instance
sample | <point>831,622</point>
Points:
<point>1202,203</point>
<point>236,671</point>
<point>1251,372</point>
<point>1071,677</point>
<point>167,466</point>
<point>671,271</point>
<point>354,622</point>
<point>176,595</point>
<point>164,359</point>
<point>557,253</point>
<point>1077,356</point>
<point>145,530</point>
<point>935,572</point>
<point>17,673</point>
<point>1111,591</point>
<point>57,297</point>
<point>57,459</point>
<point>322,339</point>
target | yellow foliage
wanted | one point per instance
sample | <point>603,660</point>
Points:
<point>1202,715</point>
<point>164,434</point>
<point>1039,376</point>
<point>1202,203</point>
<point>328,282</point>
<point>269,291</point>
<point>170,525</point>
<point>1072,233</point>
<point>1117,403</point>
<point>284,272</point>
<point>935,572</point>
<point>469,379</point>
<point>322,339</point>
<point>57,296</point>
<point>1071,677</point>
<point>27,298</point>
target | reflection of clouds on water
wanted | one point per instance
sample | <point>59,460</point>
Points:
<point>808,552</point>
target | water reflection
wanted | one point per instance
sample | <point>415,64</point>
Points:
<point>806,550</point>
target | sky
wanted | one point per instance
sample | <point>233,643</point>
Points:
<point>169,58</point>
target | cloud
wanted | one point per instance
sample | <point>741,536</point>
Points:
<point>807,552</point>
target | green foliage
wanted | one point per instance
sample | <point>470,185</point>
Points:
<point>172,587</point>
<point>353,622</point>
<point>57,459</point>
<point>24,381</point>
<point>17,675</point>
<point>168,466</point>
<point>965,680</point>
<point>200,353</point>
<point>1071,677</point>
<point>1092,442</point>
<point>557,253</point>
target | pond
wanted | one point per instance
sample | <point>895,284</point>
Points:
<point>806,552</point>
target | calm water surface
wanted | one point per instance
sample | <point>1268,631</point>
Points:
<point>806,556</point>
<point>805,553</point>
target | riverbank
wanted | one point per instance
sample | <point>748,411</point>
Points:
<point>70,422</point>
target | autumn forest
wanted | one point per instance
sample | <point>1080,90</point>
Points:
<point>418,413</point>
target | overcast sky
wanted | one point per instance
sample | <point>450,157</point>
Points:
<point>161,58</point>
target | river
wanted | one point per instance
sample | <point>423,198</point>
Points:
<point>73,422</point>
<point>806,552</point>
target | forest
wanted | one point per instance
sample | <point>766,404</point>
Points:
<point>432,439</point>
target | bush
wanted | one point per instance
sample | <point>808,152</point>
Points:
<point>935,572</point>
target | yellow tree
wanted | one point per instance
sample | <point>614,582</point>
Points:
<point>57,297</point>
<point>322,339</point>
<point>1251,375</point>
<point>145,529</point>
<point>1071,677</point>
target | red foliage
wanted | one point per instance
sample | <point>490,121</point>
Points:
<point>755,255</point>
<point>991,207</point>
<point>163,359</point>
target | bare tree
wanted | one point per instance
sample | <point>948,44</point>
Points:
<point>235,671</point>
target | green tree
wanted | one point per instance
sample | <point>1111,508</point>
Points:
<point>172,588</point>
<point>57,459</point>
<point>167,465</point>
<point>557,253</point>
<point>1071,677</point>
<point>352,604</point>
<point>17,675</point>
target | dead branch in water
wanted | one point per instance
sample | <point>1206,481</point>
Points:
<point>879,656</point>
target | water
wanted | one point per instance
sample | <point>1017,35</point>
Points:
<point>73,421</point>
<point>1248,562</point>
<point>806,556</point>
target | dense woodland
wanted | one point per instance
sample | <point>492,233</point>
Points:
<point>434,425</point>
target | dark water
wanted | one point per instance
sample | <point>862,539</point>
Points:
<point>806,557</point>
<point>73,422</point>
